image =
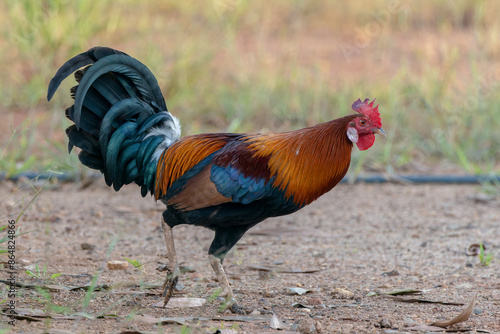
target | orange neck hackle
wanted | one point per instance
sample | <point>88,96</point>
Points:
<point>308,162</point>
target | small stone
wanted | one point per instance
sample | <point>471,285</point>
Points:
<point>384,323</point>
<point>227,331</point>
<point>319,327</point>
<point>391,273</point>
<point>97,214</point>
<point>409,322</point>
<point>412,279</point>
<point>117,265</point>
<point>186,269</point>
<point>347,328</point>
<point>202,280</point>
<point>87,246</point>
<point>268,294</point>
<point>342,294</point>
<point>265,275</point>
<point>307,326</point>
<point>195,275</point>
<point>314,301</point>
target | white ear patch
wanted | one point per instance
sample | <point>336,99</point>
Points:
<point>352,134</point>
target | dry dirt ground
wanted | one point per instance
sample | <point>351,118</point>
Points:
<point>362,238</point>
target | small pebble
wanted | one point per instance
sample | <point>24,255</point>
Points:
<point>87,246</point>
<point>464,286</point>
<point>307,326</point>
<point>342,293</point>
<point>265,275</point>
<point>314,301</point>
<point>117,265</point>
<point>385,323</point>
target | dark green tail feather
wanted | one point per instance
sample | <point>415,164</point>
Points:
<point>121,121</point>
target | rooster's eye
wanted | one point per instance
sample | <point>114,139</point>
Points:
<point>362,122</point>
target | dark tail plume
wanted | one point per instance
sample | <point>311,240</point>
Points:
<point>121,122</point>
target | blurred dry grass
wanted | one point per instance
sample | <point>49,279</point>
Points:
<point>241,65</point>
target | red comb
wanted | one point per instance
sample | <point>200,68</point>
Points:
<point>368,110</point>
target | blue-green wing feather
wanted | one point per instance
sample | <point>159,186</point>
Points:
<point>231,182</point>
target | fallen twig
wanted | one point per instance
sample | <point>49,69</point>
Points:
<point>419,300</point>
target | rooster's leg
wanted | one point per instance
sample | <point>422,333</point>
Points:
<point>173,270</point>
<point>227,292</point>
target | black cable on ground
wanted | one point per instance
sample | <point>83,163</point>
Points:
<point>367,178</point>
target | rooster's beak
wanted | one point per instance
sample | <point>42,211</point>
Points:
<point>380,132</point>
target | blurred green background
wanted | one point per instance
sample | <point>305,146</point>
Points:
<point>258,65</point>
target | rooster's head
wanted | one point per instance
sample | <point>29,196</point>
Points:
<point>362,129</point>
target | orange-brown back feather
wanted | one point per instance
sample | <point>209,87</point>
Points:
<point>199,192</point>
<point>184,155</point>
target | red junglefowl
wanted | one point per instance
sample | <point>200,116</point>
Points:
<point>226,182</point>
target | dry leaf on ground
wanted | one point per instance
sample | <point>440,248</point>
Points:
<point>276,323</point>
<point>473,250</point>
<point>463,316</point>
<point>37,315</point>
<point>285,270</point>
<point>182,302</point>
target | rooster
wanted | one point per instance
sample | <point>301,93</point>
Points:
<point>226,182</point>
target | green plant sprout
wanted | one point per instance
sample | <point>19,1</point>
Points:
<point>485,259</point>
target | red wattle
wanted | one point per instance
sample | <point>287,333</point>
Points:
<point>365,141</point>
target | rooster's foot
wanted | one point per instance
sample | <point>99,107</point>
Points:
<point>232,305</point>
<point>173,270</point>
<point>169,286</point>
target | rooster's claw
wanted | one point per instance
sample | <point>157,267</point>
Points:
<point>232,305</point>
<point>169,286</point>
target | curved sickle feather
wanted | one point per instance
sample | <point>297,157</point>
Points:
<point>128,66</point>
<point>83,59</point>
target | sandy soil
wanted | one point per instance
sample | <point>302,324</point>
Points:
<point>362,238</point>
